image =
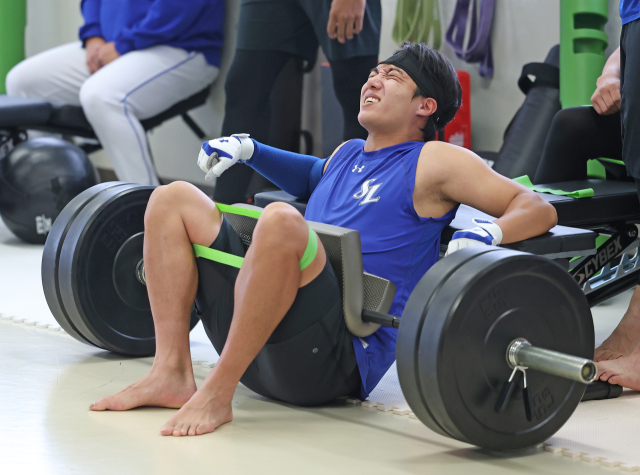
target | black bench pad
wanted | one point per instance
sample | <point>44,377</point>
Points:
<point>24,111</point>
<point>70,120</point>
<point>613,201</point>
<point>561,241</point>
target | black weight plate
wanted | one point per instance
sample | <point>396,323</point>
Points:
<point>86,270</point>
<point>482,307</point>
<point>81,311</point>
<point>51,254</point>
<point>408,342</point>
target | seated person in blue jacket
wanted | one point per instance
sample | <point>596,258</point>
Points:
<point>277,322</point>
<point>135,59</point>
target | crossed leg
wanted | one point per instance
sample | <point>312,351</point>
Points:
<point>177,216</point>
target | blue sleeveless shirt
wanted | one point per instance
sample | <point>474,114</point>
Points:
<point>372,192</point>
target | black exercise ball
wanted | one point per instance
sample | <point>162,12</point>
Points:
<point>37,180</point>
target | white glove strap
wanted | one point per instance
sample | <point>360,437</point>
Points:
<point>490,227</point>
<point>246,146</point>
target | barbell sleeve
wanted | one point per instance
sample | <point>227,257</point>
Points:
<point>522,353</point>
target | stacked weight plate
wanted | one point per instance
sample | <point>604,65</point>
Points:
<point>455,331</point>
<point>89,267</point>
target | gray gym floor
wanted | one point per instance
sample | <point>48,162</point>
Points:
<point>48,380</point>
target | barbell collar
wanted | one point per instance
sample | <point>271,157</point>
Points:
<point>140,275</point>
<point>522,353</point>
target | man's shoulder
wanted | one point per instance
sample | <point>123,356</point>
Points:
<point>445,154</point>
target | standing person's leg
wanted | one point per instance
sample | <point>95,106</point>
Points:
<point>348,77</point>
<point>350,61</point>
<point>177,215</point>
<point>578,134</point>
<point>622,346</point>
<point>270,32</point>
<point>136,86</point>
<point>53,75</point>
<point>247,110</point>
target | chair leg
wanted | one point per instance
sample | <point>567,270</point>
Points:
<point>193,126</point>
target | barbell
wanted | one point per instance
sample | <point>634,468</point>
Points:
<point>492,347</point>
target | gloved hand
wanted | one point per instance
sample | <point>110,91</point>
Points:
<point>487,233</point>
<point>219,154</point>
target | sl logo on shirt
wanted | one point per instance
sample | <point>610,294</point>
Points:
<point>368,192</point>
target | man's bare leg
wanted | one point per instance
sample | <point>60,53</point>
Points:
<point>626,337</point>
<point>177,215</point>
<point>265,290</point>
<point>624,371</point>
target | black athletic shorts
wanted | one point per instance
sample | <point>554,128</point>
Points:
<point>309,358</point>
<point>299,26</point>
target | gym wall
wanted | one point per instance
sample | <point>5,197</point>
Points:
<point>523,31</point>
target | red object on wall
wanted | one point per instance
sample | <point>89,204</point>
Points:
<point>458,131</point>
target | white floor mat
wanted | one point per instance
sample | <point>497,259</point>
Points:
<point>605,432</point>
<point>22,297</point>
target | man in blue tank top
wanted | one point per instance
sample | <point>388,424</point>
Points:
<point>277,322</point>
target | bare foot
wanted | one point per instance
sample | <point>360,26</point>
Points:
<point>158,388</point>
<point>624,371</point>
<point>626,337</point>
<point>620,343</point>
<point>205,411</point>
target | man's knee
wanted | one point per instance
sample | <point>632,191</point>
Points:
<point>95,99</point>
<point>167,199</point>
<point>284,224</point>
<point>19,80</point>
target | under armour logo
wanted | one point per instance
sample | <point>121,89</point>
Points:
<point>359,169</point>
<point>368,192</point>
<point>223,140</point>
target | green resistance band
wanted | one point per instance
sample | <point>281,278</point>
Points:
<point>236,261</point>
<point>525,181</point>
<point>415,19</point>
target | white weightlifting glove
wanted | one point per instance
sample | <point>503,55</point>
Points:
<point>219,154</point>
<point>487,233</point>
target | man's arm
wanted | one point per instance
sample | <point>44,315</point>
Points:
<point>346,18</point>
<point>606,98</point>
<point>447,175</point>
<point>295,173</point>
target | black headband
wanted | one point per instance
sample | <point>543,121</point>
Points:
<point>408,61</point>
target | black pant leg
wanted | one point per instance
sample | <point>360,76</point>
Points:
<point>349,75</point>
<point>247,110</point>
<point>630,92</point>
<point>578,134</point>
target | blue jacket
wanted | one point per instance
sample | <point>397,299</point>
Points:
<point>629,10</point>
<point>193,25</point>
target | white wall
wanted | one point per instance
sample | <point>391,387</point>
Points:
<point>523,31</point>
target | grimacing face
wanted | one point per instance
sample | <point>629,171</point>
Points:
<point>386,100</point>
